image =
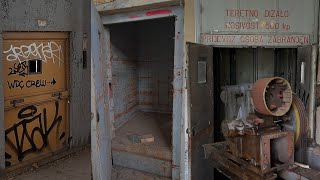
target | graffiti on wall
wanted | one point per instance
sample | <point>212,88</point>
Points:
<point>30,83</point>
<point>19,68</point>
<point>32,125</point>
<point>21,58</point>
<point>44,51</point>
<point>32,129</point>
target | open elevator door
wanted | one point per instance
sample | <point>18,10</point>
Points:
<point>200,60</point>
<point>101,99</point>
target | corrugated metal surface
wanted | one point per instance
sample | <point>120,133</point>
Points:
<point>243,17</point>
<point>201,109</point>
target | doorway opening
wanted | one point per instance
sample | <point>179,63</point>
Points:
<point>142,56</point>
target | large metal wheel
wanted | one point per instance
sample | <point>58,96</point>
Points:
<point>272,96</point>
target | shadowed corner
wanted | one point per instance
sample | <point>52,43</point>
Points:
<point>8,157</point>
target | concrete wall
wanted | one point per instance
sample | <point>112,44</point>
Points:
<point>60,15</point>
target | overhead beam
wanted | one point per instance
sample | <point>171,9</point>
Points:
<point>122,6</point>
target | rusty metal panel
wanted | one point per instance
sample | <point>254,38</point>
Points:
<point>59,16</point>
<point>258,23</point>
<point>34,65</point>
<point>201,109</point>
<point>35,131</point>
<point>35,95</point>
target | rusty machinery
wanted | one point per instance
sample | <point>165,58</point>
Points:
<point>265,130</point>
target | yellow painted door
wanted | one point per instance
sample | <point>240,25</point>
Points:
<point>36,95</point>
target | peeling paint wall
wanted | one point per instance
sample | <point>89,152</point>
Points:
<point>57,15</point>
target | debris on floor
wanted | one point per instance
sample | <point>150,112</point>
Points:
<point>148,138</point>
<point>134,138</point>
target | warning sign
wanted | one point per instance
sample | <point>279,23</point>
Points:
<point>255,40</point>
<point>258,22</point>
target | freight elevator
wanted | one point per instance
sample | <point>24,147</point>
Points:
<point>142,58</point>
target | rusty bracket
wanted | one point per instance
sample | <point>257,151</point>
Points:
<point>58,95</point>
<point>16,101</point>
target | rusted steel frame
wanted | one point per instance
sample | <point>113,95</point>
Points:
<point>231,166</point>
<point>266,148</point>
<point>260,147</point>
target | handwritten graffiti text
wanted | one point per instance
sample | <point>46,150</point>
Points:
<point>30,83</point>
<point>19,68</point>
<point>44,51</point>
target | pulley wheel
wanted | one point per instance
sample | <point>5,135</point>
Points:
<point>272,96</point>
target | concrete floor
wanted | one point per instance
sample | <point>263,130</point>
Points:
<point>73,167</point>
<point>78,167</point>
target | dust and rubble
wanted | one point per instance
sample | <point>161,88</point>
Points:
<point>143,139</point>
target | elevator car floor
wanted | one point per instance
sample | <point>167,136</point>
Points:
<point>143,123</point>
<point>149,157</point>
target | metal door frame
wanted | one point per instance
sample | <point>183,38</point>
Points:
<point>179,135</point>
<point>2,134</point>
